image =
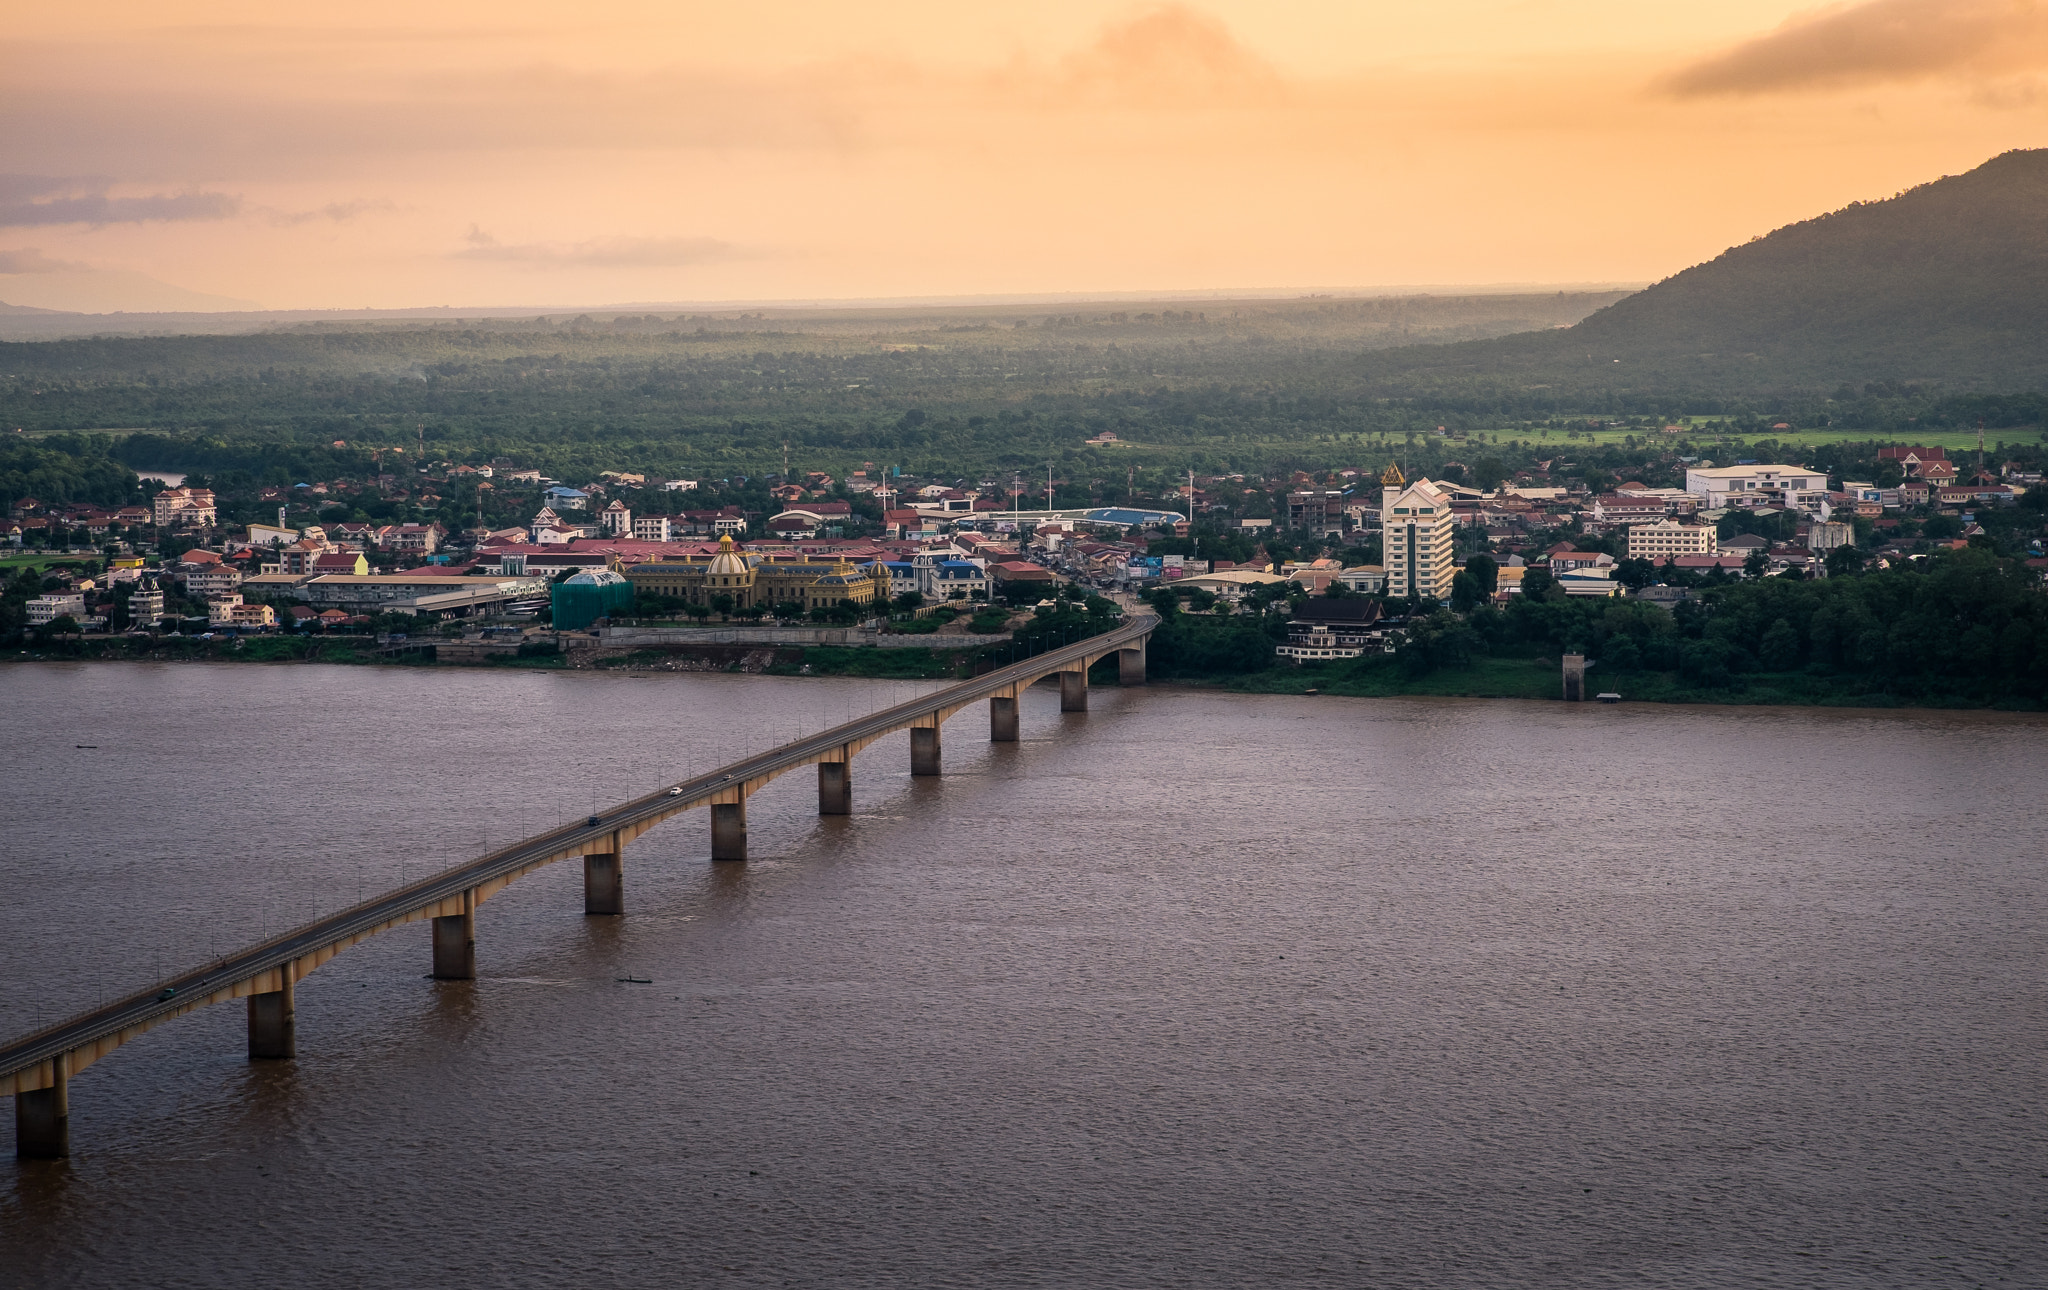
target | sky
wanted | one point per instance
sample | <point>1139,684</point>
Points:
<point>398,155</point>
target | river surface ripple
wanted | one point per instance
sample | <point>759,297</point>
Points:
<point>1194,989</point>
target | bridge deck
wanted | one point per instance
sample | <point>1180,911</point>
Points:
<point>30,1063</point>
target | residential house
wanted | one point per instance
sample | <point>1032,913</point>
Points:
<point>1570,561</point>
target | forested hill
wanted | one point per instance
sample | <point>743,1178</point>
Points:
<point>1947,281</point>
<point>1944,284</point>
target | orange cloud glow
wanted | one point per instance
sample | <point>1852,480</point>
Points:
<point>634,152</point>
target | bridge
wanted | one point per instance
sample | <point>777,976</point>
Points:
<point>37,1069</point>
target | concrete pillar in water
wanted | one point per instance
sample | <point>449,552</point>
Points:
<point>1130,666</point>
<point>1074,691</point>
<point>835,788</point>
<point>42,1119</point>
<point>455,943</point>
<point>924,750</point>
<point>729,830</point>
<point>273,1019</point>
<point>1002,720</point>
<point>1574,678</point>
<point>604,880</point>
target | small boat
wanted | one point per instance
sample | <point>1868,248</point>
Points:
<point>1312,690</point>
<point>635,980</point>
<point>1609,697</point>
<point>85,745</point>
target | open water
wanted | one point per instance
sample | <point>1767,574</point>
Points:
<point>1193,989</point>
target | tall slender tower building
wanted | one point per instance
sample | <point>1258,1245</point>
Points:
<point>1416,520</point>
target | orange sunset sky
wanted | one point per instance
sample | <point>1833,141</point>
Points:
<point>175,155</point>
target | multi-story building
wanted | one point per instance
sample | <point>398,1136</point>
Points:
<point>206,580</point>
<point>1628,508</point>
<point>953,580</point>
<point>656,528</point>
<point>185,507</point>
<point>616,521</point>
<point>1416,519</point>
<point>1668,538</point>
<point>145,607</point>
<point>50,606</point>
<point>416,539</point>
<point>1748,487</point>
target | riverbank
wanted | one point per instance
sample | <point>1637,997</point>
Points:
<point>1372,678</point>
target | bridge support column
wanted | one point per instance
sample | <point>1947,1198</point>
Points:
<point>729,830</point>
<point>42,1119</point>
<point>924,750</point>
<point>455,943</point>
<point>273,1020</point>
<point>1574,678</point>
<point>1074,691</point>
<point>835,788</point>
<point>1002,720</point>
<point>1130,666</point>
<point>604,880</point>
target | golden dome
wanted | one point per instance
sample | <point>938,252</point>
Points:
<point>728,562</point>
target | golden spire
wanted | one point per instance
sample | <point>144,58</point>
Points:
<point>1392,476</point>
<point>725,544</point>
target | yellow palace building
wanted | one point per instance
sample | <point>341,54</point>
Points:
<point>750,579</point>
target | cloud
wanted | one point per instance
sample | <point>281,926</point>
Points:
<point>600,253</point>
<point>339,212</point>
<point>1874,42</point>
<point>31,260</point>
<point>1172,56</point>
<point>35,200</point>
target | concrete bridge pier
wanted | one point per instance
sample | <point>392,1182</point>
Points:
<point>924,750</point>
<point>1130,665</point>
<point>729,830</point>
<point>604,880</point>
<point>455,943</point>
<point>835,788</point>
<point>1074,691</point>
<point>1002,720</point>
<point>273,1020</point>
<point>42,1119</point>
<point>1574,678</point>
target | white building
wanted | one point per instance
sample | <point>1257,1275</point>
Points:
<point>1748,487</point>
<point>655,528</point>
<point>616,520</point>
<point>50,606</point>
<point>1417,522</point>
<point>145,607</point>
<point>1668,538</point>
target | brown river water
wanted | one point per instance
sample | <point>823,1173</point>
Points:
<point>1193,989</point>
